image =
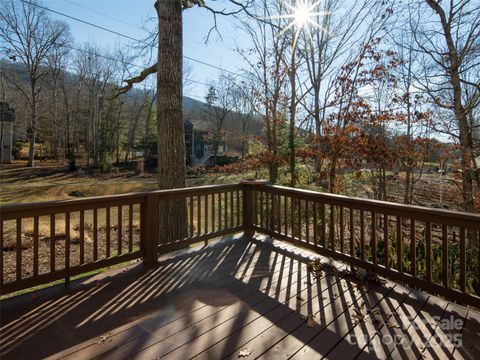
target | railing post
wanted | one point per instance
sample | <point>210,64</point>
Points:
<point>150,230</point>
<point>249,187</point>
<point>248,210</point>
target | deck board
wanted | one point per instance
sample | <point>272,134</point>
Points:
<point>213,302</point>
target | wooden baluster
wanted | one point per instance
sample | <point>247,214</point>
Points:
<point>285,214</point>
<point>386,242</point>
<point>19,250</point>
<point>324,231</point>
<point>362,235</point>
<point>213,213</point>
<point>307,223</point>
<point>130,228</point>
<point>238,208</point>
<point>272,211</point>
<point>67,248</point>
<point>315,224</point>
<point>255,210</point>
<point>206,215</point>
<point>374,238</point>
<point>82,237</point>
<point>199,215</point>
<point>225,211</point>
<point>463,261</point>
<point>299,218</point>
<point>279,212</point>
<point>219,211</point>
<point>119,230</point>
<point>231,210</point>
<point>95,234</point>
<point>445,255</point>
<point>352,234</point>
<point>332,227</point>
<point>399,244</point>
<point>428,241</point>
<point>342,231</point>
<point>267,211</point>
<point>107,229</point>
<point>413,248</point>
<point>262,223</point>
<point>52,243</point>
<point>292,215</point>
<point>214,196</point>
<point>174,218</point>
<point>35,246</point>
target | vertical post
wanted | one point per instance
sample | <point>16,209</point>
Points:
<point>150,229</point>
<point>248,214</point>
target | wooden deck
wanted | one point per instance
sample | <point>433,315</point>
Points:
<point>231,299</point>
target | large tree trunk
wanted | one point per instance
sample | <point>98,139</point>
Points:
<point>170,127</point>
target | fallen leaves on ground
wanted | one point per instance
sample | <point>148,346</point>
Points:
<point>244,353</point>
<point>311,321</point>
<point>316,267</point>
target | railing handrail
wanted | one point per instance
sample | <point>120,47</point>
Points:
<point>10,211</point>
<point>382,207</point>
<point>379,205</point>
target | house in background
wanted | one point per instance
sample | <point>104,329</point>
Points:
<point>199,146</point>
<point>7,117</point>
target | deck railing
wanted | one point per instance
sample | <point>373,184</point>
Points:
<point>44,242</point>
<point>435,250</point>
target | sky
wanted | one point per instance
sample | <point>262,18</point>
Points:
<point>130,17</point>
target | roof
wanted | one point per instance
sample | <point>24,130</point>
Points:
<point>201,125</point>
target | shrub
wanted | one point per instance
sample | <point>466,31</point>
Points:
<point>106,163</point>
<point>17,150</point>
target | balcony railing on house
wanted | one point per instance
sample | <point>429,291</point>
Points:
<point>434,250</point>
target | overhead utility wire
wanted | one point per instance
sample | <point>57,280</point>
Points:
<point>125,36</point>
<point>119,61</point>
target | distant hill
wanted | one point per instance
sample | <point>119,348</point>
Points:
<point>194,110</point>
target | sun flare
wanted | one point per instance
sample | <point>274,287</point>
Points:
<point>301,15</point>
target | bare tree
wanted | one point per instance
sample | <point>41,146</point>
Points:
<point>29,35</point>
<point>326,48</point>
<point>449,40</point>
<point>220,103</point>
<point>268,74</point>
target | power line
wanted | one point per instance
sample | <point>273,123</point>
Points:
<point>103,14</point>
<point>125,36</point>
<point>133,25</point>
<point>93,53</point>
<point>79,20</point>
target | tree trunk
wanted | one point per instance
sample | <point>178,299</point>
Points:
<point>33,127</point>
<point>291,134</point>
<point>459,109</point>
<point>170,127</point>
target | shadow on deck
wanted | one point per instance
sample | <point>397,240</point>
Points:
<point>234,298</point>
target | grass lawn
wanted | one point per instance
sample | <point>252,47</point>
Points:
<point>51,181</point>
